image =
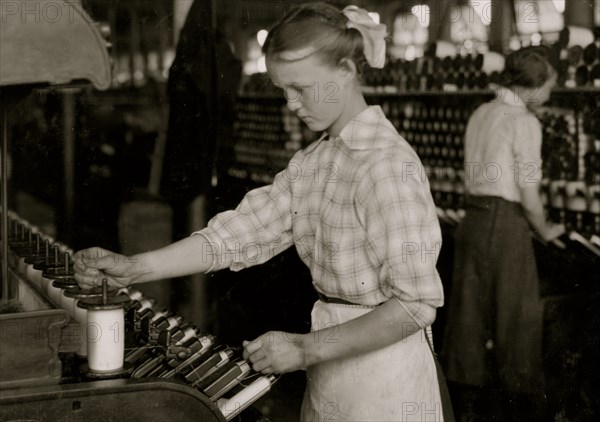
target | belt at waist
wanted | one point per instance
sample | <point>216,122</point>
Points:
<point>328,299</point>
<point>489,202</point>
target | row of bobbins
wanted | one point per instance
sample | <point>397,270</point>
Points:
<point>107,316</point>
<point>169,348</point>
<point>99,311</point>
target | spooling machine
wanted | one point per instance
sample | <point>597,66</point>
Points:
<point>68,353</point>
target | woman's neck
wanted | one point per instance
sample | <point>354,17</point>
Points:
<point>522,93</point>
<point>355,104</point>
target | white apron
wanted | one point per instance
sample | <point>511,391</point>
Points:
<point>396,383</point>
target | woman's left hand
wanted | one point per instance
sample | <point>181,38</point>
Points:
<point>276,352</point>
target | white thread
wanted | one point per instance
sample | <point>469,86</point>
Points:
<point>80,316</point>
<point>134,294</point>
<point>580,36</point>
<point>123,290</point>
<point>54,292</point>
<point>22,265</point>
<point>45,283</point>
<point>145,304</point>
<point>188,333</point>
<point>105,339</point>
<point>34,275</point>
<point>232,407</point>
<point>172,322</point>
<point>159,314</point>
<point>67,302</point>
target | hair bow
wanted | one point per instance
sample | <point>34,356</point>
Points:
<point>373,34</point>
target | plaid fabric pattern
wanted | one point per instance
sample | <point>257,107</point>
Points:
<point>359,211</point>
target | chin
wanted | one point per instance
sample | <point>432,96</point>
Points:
<point>316,126</point>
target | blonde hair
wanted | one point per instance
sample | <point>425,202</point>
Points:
<point>320,26</point>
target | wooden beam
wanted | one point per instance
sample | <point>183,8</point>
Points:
<point>502,25</point>
<point>579,13</point>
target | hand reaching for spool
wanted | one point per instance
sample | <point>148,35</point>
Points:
<point>553,233</point>
<point>186,256</point>
<point>94,264</point>
<point>275,352</point>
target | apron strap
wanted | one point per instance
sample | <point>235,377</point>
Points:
<point>429,337</point>
<point>330,299</point>
<point>447,409</point>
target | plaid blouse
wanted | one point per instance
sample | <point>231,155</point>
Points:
<point>358,209</point>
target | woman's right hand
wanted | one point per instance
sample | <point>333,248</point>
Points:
<point>553,232</point>
<point>92,265</point>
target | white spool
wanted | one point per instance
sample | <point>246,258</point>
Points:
<point>580,36</point>
<point>159,314</point>
<point>22,265</point>
<point>45,283</point>
<point>188,333</point>
<point>80,313</point>
<point>173,322</point>
<point>80,316</point>
<point>67,302</point>
<point>233,406</point>
<point>106,339</point>
<point>445,49</point>
<point>146,304</point>
<point>33,275</point>
<point>123,290</point>
<point>135,294</point>
<point>492,62</point>
<point>54,292</point>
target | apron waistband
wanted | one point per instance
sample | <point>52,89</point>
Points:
<point>337,300</point>
<point>489,202</point>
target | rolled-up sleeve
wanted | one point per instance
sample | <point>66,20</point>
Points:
<point>258,229</point>
<point>402,235</point>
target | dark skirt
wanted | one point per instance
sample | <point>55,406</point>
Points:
<point>494,327</point>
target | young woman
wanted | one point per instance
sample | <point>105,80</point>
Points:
<point>493,334</point>
<point>358,209</point>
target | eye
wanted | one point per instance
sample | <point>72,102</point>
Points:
<point>292,92</point>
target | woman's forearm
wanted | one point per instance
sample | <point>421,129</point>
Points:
<point>385,325</point>
<point>534,210</point>
<point>188,256</point>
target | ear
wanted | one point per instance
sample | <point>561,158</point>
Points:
<point>347,69</point>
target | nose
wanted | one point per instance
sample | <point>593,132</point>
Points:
<point>293,98</point>
<point>294,104</point>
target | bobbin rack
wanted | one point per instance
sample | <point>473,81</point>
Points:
<point>106,354</point>
<point>100,354</point>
